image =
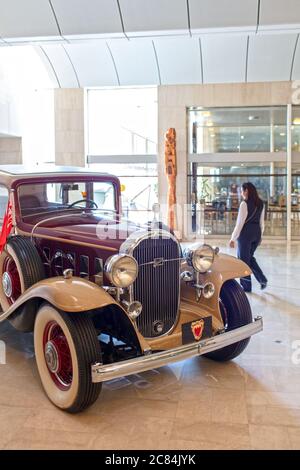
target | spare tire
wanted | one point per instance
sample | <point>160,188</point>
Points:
<point>20,267</point>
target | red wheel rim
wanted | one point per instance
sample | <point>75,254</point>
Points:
<point>11,282</point>
<point>58,356</point>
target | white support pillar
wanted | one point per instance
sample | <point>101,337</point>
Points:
<point>289,173</point>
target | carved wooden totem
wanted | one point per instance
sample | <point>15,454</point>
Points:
<point>171,172</point>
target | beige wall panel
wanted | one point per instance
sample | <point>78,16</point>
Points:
<point>69,127</point>
<point>10,150</point>
<point>64,159</point>
<point>70,120</point>
<point>69,98</point>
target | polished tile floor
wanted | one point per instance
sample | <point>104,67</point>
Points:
<point>252,402</point>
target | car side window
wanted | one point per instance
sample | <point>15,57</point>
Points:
<point>3,203</point>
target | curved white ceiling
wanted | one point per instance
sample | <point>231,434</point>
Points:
<point>146,42</point>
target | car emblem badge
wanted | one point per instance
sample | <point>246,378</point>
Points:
<point>158,262</point>
<point>197,329</point>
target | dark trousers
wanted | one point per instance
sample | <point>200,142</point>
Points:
<point>246,250</point>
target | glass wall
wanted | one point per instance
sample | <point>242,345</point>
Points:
<point>218,196</point>
<point>122,121</point>
<point>139,188</point>
<point>259,136</point>
<point>237,130</point>
<point>122,139</point>
<point>295,196</point>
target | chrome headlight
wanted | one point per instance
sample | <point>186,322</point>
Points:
<point>208,290</point>
<point>200,258</point>
<point>121,270</point>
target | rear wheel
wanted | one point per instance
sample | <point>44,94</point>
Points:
<point>236,312</point>
<point>20,268</point>
<point>66,345</point>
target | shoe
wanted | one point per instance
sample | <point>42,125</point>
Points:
<point>263,285</point>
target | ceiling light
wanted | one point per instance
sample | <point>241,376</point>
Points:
<point>213,135</point>
<point>242,137</point>
<point>209,123</point>
<point>296,121</point>
<point>282,134</point>
<point>251,118</point>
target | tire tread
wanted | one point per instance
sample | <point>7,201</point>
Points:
<point>88,351</point>
<point>239,314</point>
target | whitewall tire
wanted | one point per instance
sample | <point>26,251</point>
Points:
<point>65,347</point>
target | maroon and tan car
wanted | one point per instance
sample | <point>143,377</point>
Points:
<point>106,298</point>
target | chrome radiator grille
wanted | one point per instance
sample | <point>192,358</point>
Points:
<point>157,285</point>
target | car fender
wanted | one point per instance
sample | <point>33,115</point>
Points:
<point>224,267</point>
<point>229,267</point>
<point>74,295</point>
<point>70,295</point>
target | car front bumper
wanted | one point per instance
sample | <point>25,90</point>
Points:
<point>102,373</point>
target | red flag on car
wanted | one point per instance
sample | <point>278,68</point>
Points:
<point>7,226</point>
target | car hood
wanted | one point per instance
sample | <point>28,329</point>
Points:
<point>108,234</point>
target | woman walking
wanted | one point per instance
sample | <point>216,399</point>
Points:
<point>248,232</point>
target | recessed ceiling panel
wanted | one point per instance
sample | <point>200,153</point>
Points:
<point>224,58</point>
<point>135,61</point>
<point>61,65</point>
<point>93,64</point>
<point>179,60</point>
<point>152,16</point>
<point>270,57</point>
<point>216,15</point>
<point>92,17</point>
<point>279,15</point>
<point>26,18</point>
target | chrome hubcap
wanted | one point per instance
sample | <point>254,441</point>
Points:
<point>51,356</point>
<point>7,284</point>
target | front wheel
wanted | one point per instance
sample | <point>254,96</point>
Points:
<point>65,347</point>
<point>236,312</point>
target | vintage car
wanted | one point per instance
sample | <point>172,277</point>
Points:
<point>106,298</point>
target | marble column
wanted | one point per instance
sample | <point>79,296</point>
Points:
<point>69,127</point>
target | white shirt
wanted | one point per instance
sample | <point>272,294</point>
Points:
<point>241,219</point>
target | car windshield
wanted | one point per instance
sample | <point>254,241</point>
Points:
<point>60,196</point>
